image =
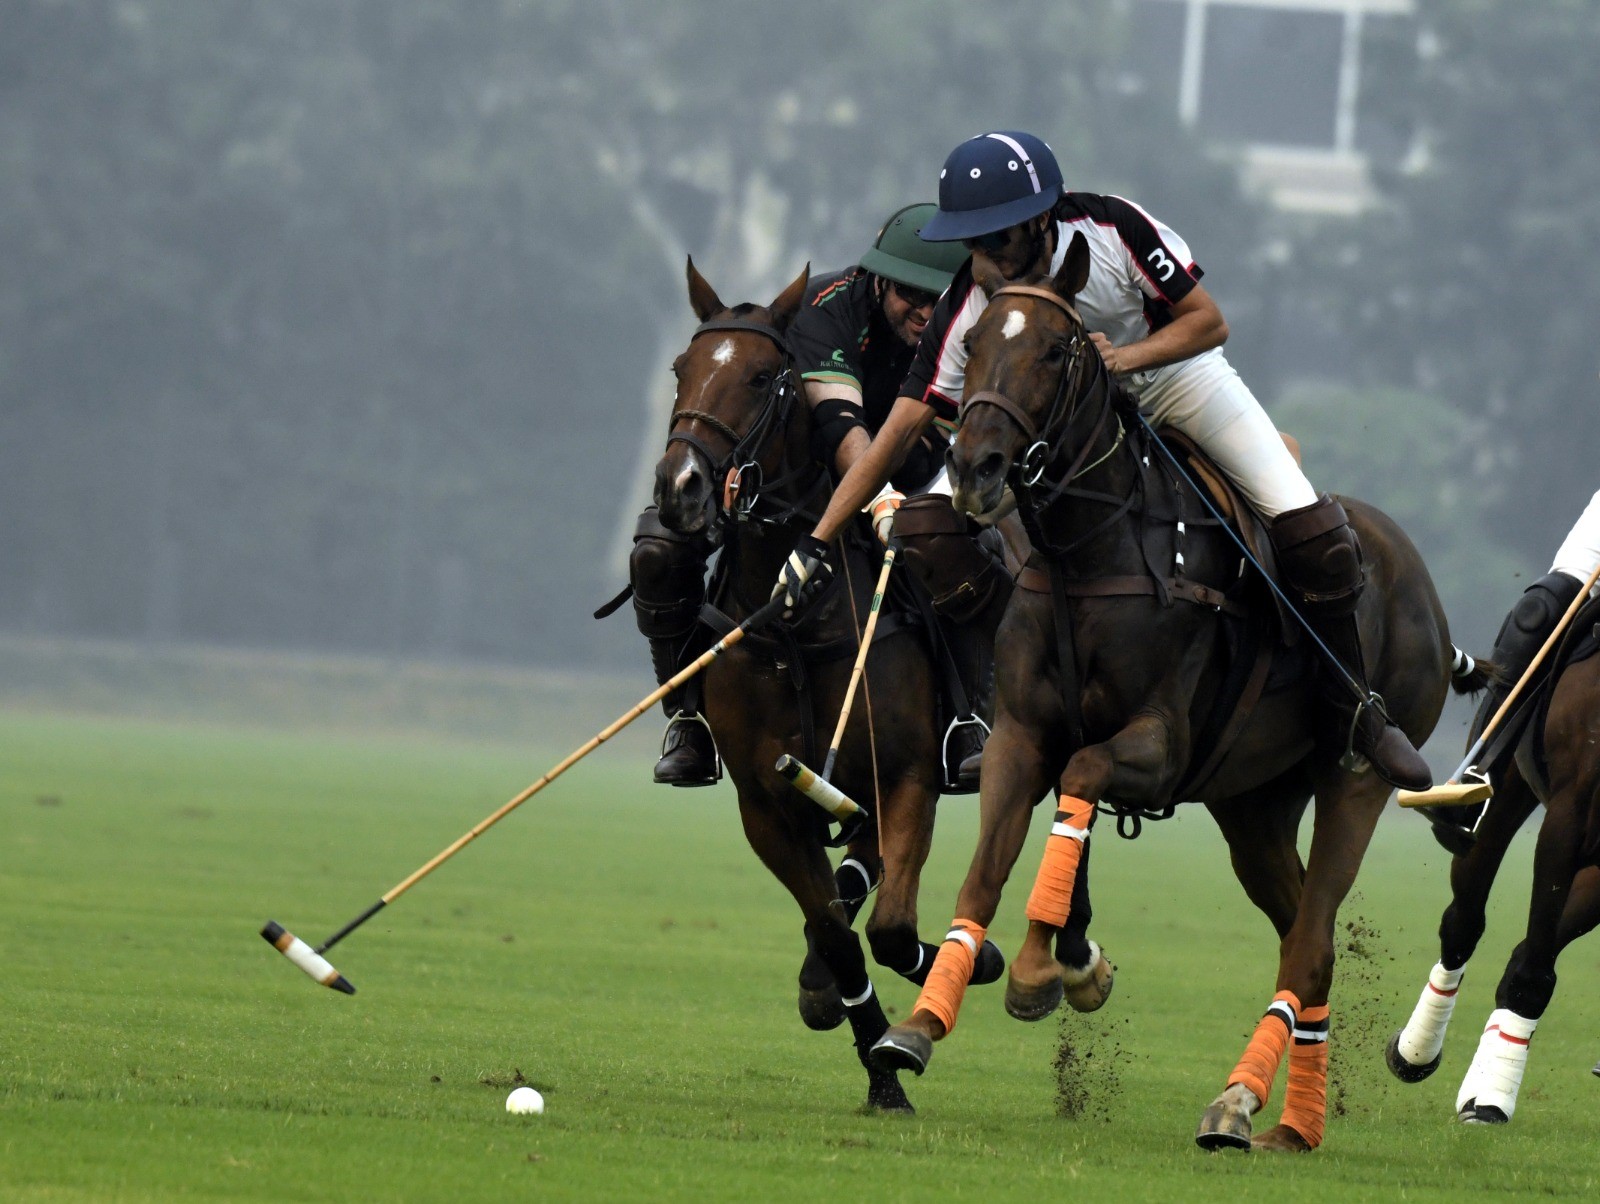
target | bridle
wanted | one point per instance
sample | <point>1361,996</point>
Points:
<point>738,469</point>
<point>1045,440</point>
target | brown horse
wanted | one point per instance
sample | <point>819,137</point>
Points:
<point>1556,764</point>
<point>738,465</point>
<point>1114,704</point>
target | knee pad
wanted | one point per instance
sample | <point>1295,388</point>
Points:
<point>667,571</point>
<point>1542,604</point>
<point>954,567</point>
<point>1320,555</point>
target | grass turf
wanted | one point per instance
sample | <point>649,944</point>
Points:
<point>618,947</point>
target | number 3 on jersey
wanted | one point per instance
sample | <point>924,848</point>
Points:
<point>1163,265</point>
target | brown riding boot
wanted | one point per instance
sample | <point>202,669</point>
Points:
<point>1320,558</point>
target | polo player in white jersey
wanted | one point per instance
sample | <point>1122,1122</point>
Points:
<point>1161,334</point>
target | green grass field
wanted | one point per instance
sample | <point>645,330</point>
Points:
<point>617,946</point>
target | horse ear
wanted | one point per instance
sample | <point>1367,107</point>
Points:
<point>986,276</point>
<point>787,303</point>
<point>702,297</point>
<point>1074,273</point>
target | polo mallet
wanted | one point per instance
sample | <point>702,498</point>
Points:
<point>311,960</point>
<point>852,816</point>
<point>1469,784</point>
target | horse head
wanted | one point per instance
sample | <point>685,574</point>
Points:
<point>735,392</point>
<point>1028,360</point>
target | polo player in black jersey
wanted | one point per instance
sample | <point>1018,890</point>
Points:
<point>853,342</point>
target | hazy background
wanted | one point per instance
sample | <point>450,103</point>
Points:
<point>341,326</point>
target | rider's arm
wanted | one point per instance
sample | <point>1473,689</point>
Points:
<point>855,439</point>
<point>868,474</point>
<point>1197,325</point>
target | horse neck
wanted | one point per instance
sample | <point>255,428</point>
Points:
<point>755,551</point>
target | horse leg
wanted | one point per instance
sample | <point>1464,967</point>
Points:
<point>1128,761</point>
<point>821,1005</point>
<point>905,833</point>
<point>1087,975</point>
<point>1347,810</point>
<point>1015,775</point>
<point>1414,1051</point>
<point>788,843</point>
<point>1488,1093</point>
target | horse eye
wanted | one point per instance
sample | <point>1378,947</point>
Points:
<point>1054,353</point>
<point>762,380</point>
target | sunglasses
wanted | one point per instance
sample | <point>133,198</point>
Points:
<point>916,298</point>
<point>987,243</point>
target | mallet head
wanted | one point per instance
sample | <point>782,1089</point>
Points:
<point>304,956</point>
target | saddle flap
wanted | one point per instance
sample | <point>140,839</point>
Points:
<point>1234,507</point>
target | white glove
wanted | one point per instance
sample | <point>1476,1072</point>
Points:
<point>882,509</point>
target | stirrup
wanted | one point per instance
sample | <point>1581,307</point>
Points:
<point>952,772</point>
<point>678,717</point>
<point>1352,760</point>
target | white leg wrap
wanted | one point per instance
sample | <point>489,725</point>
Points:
<point>1496,1070</point>
<point>1423,1036</point>
<point>1073,975</point>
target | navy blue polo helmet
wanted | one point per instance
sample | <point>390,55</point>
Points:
<point>991,182</point>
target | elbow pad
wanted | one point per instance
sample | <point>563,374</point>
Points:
<point>831,421</point>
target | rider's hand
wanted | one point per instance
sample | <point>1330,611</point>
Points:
<point>1108,351</point>
<point>882,509</point>
<point>805,574</point>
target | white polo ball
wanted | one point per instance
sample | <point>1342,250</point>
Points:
<point>525,1101</point>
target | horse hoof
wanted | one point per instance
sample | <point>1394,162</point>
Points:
<point>1281,1139</point>
<point>1474,1113</point>
<point>821,1009</point>
<point>901,1049</point>
<point>1403,1070</point>
<point>887,1096</point>
<point>1596,1070</point>
<point>1089,992</point>
<point>1223,1128</point>
<point>1033,1001</point>
<point>991,964</point>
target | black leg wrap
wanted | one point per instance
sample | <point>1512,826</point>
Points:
<point>1072,942</point>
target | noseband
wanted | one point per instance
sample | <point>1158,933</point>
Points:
<point>1044,443</point>
<point>739,470</point>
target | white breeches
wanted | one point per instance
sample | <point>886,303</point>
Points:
<point>1206,399</point>
<point>1580,551</point>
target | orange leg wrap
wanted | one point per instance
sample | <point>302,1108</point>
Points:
<point>946,983</point>
<point>1051,900</point>
<point>1259,1065</point>
<point>1305,1096</point>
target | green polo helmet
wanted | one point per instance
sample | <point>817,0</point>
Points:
<point>898,254</point>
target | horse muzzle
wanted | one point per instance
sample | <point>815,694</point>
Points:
<point>978,486</point>
<point>684,496</point>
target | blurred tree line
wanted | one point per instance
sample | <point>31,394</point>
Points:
<point>345,326</point>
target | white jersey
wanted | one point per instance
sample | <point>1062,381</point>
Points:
<point>1138,270</point>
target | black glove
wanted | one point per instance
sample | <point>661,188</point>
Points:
<point>805,574</point>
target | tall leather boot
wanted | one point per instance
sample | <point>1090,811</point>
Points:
<point>1526,628</point>
<point>1321,559</point>
<point>667,572</point>
<point>688,751</point>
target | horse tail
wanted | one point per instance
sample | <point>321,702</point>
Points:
<point>1468,675</point>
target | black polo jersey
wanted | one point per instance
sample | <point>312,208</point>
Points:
<point>841,335</point>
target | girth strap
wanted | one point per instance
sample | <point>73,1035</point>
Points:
<point>1037,581</point>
